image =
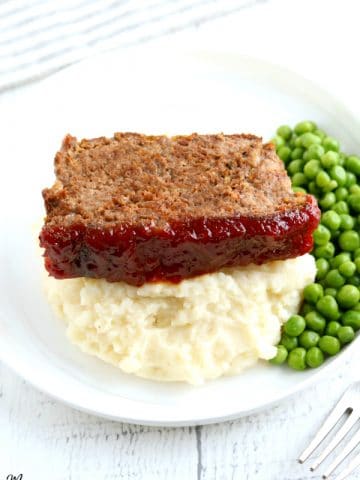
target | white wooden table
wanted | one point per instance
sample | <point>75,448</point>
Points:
<point>43,439</point>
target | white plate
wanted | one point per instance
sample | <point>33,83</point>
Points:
<point>163,92</point>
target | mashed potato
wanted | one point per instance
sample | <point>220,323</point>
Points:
<point>205,327</point>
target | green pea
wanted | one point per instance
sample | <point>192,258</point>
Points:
<point>335,234</point>
<point>329,159</point>
<point>298,142</point>
<point>314,357</point>
<point>284,153</point>
<point>322,179</point>
<point>357,253</point>
<point>325,251</point>
<point>349,240</point>
<point>357,307</point>
<point>329,345</point>
<point>299,190</point>
<point>347,222</point>
<point>303,127</point>
<point>284,131</point>
<point>278,141</point>
<point>351,318</point>
<point>281,355</point>
<point>295,167</point>
<point>308,139</point>
<point>322,267</point>
<point>294,326</point>
<point>292,140</point>
<point>299,179</point>
<point>306,308</point>
<point>353,164</point>
<point>315,321</point>
<point>346,334</point>
<point>350,179</point>
<point>357,264</point>
<point>320,133</point>
<point>355,189</point>
<point>341,193</point>
<point>312,168</point>
<point>332,328</point>
<point>338,174</point>
<point>340,207</point>
<point>309,339</point>
<point>321,235</point>
<point>296,359</point>
<point>288,342</point>
<point>339,259</point>
<point>348,296</point>
<point>354,280</point>
<point>297,153</point>
<point>313,292</point>
<point>314,189</point>
<point>347,269</point>
<point>331,220</point>
<point>328,307</point>
<point>332,185</point>
<point>330,143</point>
<point>354,202</point>
<point>307,156</point>
<point>314,152</point>
<point>330,291</point>
<point>328,200</point>
<point>334,279</point>
<point>342,158</point>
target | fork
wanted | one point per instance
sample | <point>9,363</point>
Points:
<point>349,405</point>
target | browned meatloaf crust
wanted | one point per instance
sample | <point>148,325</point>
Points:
<point>142,208</point>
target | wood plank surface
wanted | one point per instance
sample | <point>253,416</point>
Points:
<point>42,439</point>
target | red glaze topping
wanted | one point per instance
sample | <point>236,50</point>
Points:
<point>185,249</point>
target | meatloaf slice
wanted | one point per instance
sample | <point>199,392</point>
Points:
<point>145,208</point>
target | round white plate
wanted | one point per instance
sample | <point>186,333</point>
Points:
<point>153,92</point>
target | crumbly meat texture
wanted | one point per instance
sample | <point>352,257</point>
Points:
<point>140,209</point>
<point>138,179</point>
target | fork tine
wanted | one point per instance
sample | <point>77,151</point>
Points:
<point>350,422</point>
<point>350,468</point>
<point>330,422</point>
<point>347,450</point>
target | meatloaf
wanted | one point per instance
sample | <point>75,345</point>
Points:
<point>140,208</point>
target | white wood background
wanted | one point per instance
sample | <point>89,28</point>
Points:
<point>43,439</point>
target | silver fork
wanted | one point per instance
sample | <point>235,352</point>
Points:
<point>349,405</point>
